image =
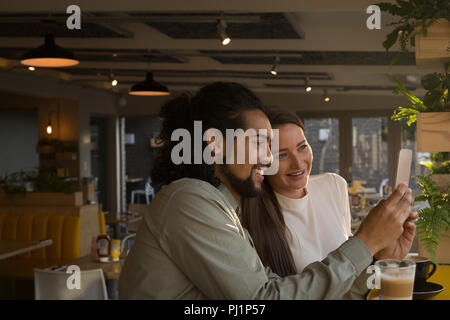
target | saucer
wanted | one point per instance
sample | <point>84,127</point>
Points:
<point>425,290</point>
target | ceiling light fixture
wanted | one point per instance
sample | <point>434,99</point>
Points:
<point>326,97</point>
<point>222,32</point>
<point>274,70</point>
<point>308,88</point>
<point>114,81</point>
<point>49,55</point>
<point>149,87</point>
<point>31,68</point>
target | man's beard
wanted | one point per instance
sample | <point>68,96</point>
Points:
<point>246,188</point>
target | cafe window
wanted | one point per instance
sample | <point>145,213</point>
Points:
<point>18,139</point>
<point>358,145</point>
<point>323,137</point>
<point>370,151</point>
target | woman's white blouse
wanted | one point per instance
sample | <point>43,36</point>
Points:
<point>320,221</point>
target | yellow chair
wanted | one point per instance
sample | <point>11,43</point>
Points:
<point>64,230</point>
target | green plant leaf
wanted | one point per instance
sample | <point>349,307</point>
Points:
<point>391,39</point>
<point>431,81</point>
<point>428,164</point>
<point>411,120</point>
<point>417,103</point>
<point>433,221</point>
<point>404,7</point>
<point>389,7</point>
<point>420,198</point>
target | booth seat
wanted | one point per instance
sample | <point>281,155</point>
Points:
<point>64,230</point>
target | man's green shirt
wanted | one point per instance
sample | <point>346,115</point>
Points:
<point>191,245</point>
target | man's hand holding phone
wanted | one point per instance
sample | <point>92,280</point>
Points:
<point>388,229</point>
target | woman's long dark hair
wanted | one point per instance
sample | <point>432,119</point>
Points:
<point>262,216</point>
<point>218,105</point>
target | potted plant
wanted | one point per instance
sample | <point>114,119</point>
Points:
<point>418,20</point>
<point>45,186</point>
<point>433,224</point>
<point>432,113</point>
<point>15,182</point>
<point>439,166</point>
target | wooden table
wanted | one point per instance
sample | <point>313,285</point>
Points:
<point>111,269</point>
<point>9,248</point>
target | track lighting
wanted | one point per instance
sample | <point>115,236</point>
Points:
<point>114,81</point>
<point>326,97</point>
<point>308,88</point>
<point>222,33</point>
<point>274,70</point>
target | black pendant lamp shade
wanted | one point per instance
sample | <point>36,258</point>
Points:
<point>149,87</point>
<point>49,55</point>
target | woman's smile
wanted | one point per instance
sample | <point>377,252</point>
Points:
<point>297,174</point>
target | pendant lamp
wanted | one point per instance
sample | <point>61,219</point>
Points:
<point>49,55</point>
<point>149,87</point>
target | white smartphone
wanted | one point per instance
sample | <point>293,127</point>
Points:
<point>403,167</point>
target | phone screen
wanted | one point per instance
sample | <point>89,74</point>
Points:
<point>403,167</point>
